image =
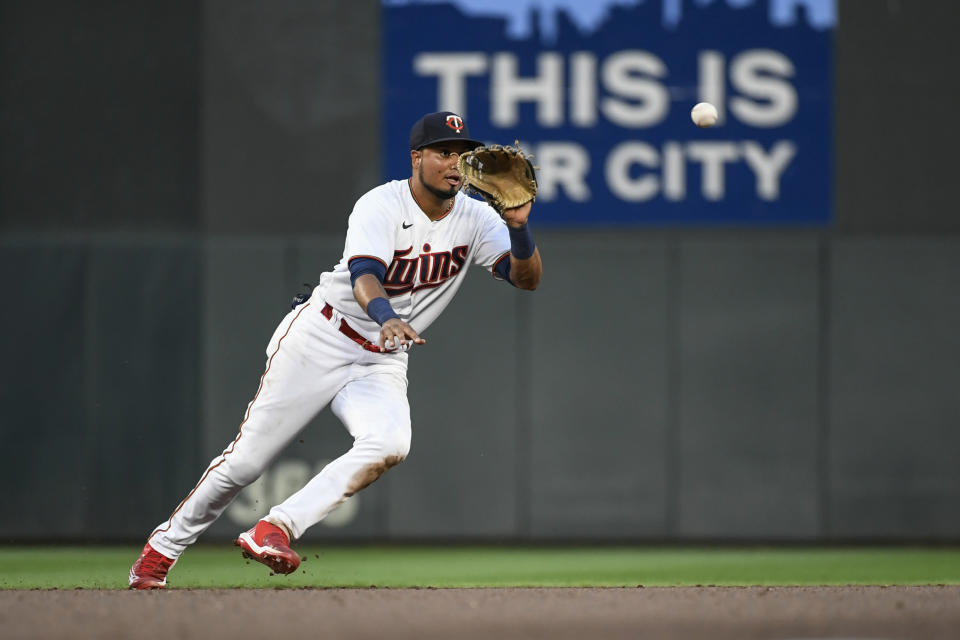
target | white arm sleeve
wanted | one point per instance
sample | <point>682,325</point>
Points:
<point>493,240</point>
<point>371,230</point>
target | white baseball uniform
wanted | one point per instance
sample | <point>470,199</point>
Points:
<point>323,352</point>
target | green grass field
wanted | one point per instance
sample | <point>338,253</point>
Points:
<point>222,567</point>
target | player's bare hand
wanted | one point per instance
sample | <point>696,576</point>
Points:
<point>518,216</point>
<point>397,334</point>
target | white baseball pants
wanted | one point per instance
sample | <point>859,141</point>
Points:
<point>310,364</point>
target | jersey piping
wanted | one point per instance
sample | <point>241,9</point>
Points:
<point>233,444</point>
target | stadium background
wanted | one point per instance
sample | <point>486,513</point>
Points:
<point>785,385</point>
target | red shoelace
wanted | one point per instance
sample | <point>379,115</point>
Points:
<point>155,563</point>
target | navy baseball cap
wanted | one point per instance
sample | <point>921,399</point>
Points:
<point>442,126</point>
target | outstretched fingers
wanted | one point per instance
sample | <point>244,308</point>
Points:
<point>397,334</point>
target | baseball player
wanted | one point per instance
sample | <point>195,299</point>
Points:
<point>408,245</point>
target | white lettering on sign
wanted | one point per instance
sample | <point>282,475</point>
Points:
<point>633,83</point>
<point>509,89</point>
<point>674,172</point>
<point>583,89</point>
<point>562,165</point>
<point>630,90</point>
<point>712,85</point>
<point>771,101</point>
<point>637,171</point>
<point>451,70</point>
<point>712,157</point>
<point>768,166</point>
<point>632,75</point>
<point>619,164</point>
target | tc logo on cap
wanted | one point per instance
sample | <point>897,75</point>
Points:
<point>455,123</point>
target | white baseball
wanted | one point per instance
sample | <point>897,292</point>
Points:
<point>704,114</point>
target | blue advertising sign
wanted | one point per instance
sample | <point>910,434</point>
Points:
<point>600,91</point>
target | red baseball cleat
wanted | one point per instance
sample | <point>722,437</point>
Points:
<point>268,544</point>
<point>150,569</point>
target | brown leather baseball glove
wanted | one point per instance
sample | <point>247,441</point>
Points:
<point>503,176</point>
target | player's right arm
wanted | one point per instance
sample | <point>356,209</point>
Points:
<point>372,297</point>
<point>370,245</point>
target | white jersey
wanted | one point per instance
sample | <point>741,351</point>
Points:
<point>425,259</point>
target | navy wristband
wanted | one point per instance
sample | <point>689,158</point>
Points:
<point>380,311</point>
<point>521,243</point>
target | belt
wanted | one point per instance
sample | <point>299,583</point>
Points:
<point>350,332</point>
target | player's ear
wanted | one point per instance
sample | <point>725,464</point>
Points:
<point>415,156</point>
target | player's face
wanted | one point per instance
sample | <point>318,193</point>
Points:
<point>436,167</point>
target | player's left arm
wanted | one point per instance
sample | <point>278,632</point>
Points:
<point>525,265</point>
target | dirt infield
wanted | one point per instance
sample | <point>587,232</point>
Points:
<point>709,612</point>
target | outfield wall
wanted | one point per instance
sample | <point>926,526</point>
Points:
<point>671,384</point>
<point>775,386</point>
